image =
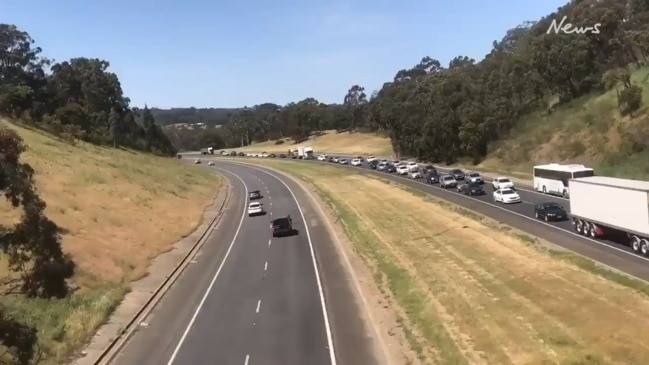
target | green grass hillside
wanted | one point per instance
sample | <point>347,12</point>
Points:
<point>589,130</point>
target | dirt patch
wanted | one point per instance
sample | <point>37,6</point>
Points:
<point>330,141</point>
<point>475,295</point>
<point>119,209</point>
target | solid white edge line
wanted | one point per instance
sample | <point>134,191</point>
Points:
<point>216,275</point>
<point>247,359</point>
<point>332,353</point>
<point>605,245</point>
<point>258,306</point>
<point>533,220</point>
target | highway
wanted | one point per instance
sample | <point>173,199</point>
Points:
<point>520,216</point>
<point>249,298</point>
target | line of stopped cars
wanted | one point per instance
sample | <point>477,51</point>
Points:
<point>469,183</point>
<point>280,227</point>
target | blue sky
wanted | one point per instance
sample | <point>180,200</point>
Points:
<point>226,53</point>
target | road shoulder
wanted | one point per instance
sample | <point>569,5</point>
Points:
<point>159,269</point>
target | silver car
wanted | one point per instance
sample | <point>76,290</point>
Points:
<point>447,181</point>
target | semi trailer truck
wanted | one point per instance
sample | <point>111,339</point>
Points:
<point>601,205</point>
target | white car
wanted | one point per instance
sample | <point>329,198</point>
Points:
<point>402,169</point>
<point>265,154</point>
<point>322,158</point>
<point>412,166</point>
<point>502,182</point>
<point>343,161</point>
<point>255,208</point>
<point>414,174</point>
<point>356,162</point>
<point>211,163</point>
<point>371,158</point>
<point>506,196</point>
<point>197,161</point>
<point>474,177</point>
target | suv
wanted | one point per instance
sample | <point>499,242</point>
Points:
<point>432,178</point>
<point>372,164</point>
<point>414,174</point>
<point>457,174</point>
<point>255,194</point>
<point>402,169</point>
<point>474,177</point>
<point>502,183</point>
<point>447,181</point>
<point>282,226</point>
<point>471,188</point>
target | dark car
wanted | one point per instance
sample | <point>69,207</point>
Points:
<point>282,226</point>
<point>233,153</point>
<point>255,194</point>
<point>179,155</point>
<point>429,168</point>
<point>550,211</point>
<point>457,174</point>
<point>272,155</point>
<point>432,178</point>
<point>472,188</point>
<point>241,154</point>
<point>281,155</point>
<point>373,164</point>
<point>390,168</point>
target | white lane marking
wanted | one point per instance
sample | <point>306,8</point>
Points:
<point>332,353</point>
<point>266,266</point>
<point>539,222</point>
<point>605,245</point>
<point>247,359</point>
<point>216,275</point>
<point>258,305</point>
<point>269,243</point>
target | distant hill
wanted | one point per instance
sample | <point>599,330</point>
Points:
<point>188,116</point>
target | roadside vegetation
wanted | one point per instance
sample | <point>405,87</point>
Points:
<point>535,98</point>
<point>91,195</point>
<point>443,269</point>
<point>331,140</point>
<point>115,211</point>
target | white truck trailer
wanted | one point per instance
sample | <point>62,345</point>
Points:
<point>305,153</point>
<point>601,205</point>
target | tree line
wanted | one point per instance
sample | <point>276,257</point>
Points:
<point>74,99</point>
<point>78,99</point>
<point>440,114</point>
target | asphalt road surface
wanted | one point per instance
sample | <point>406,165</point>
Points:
<point>253,299</point>
<point>521,216</point>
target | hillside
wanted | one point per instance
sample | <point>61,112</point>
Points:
<point>117,209</point>
<point>189,116</point>
<point>330,141</point>
<point>588,130</point>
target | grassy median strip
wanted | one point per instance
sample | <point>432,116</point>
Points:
<point>476,293</point>
<point>118,209</point>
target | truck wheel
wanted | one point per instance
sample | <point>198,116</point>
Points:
<point>578,226</point>
<point>644,246</point>
<point>586,228</point>
<point>545,191</point>
<point>635,243</point>
<point>565,194</point>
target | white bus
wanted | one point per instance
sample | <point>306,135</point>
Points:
<point>553,178</point>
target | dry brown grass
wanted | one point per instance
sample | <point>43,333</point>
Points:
<point>476,295</point>
<point>119,210</point>
<point>330,141</point>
